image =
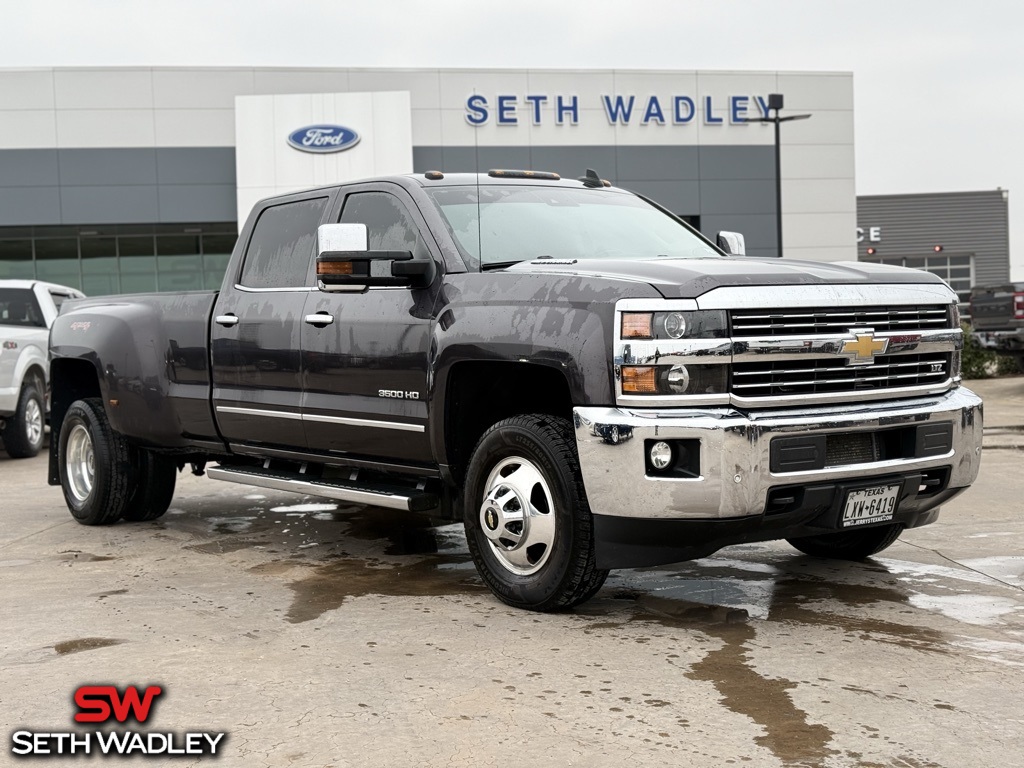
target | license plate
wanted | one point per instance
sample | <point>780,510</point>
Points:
<point>870,505</point>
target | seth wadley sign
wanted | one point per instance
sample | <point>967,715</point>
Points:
<point>620,110</point>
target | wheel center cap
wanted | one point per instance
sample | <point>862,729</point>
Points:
<point>505,517</point>
<point>491,519</point>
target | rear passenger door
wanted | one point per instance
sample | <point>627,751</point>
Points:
<point>255,333</point>
<point>366,366</point>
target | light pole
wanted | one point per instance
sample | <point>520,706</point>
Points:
<point>775,102</point>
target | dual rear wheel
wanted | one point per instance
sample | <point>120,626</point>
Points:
<point>105,479</point>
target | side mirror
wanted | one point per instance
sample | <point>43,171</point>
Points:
<point>732,243</point>
<point>344,263</point>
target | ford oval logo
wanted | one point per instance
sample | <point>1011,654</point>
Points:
<point>323,138</point>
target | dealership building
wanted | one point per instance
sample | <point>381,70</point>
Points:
<point>963,237</point>
<point>137,179</point>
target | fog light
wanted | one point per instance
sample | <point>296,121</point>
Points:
<point>661,455</point>
<point>678,379</point>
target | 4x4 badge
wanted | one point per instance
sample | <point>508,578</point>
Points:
<point>864,348</point>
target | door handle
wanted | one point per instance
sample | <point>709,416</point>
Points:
<point>226,320</point>
<point>320,319</point>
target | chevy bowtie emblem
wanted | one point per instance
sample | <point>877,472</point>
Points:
<point>865,347</point>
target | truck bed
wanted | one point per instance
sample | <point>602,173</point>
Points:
<point>156,367</point>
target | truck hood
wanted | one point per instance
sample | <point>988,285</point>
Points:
<point>690,278</point>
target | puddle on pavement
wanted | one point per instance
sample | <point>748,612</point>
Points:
<point>328,586</point>
<point>387,553</point>
<point>67,647</point>
<point>333,552</point>
<point>77,556</point>
<point>766,701</point>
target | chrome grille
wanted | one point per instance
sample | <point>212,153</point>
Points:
<point>805,322</point>
<point>830,375</point>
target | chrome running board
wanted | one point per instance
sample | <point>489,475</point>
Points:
<point>378,496</point>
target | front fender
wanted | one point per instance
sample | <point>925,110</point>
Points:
<point>560,322</point>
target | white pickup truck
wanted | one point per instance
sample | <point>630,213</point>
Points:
<point>27,310</point>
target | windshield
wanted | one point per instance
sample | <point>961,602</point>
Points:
<point>519,223</point>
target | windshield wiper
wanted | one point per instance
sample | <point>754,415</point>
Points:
<point>500,264</point>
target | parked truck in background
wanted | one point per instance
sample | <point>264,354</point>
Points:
<point>478,347</point>
<point>997,318</point>
<point>27,310</point>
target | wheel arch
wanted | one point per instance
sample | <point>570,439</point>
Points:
<point>71,379</point>
<point>478,394</point>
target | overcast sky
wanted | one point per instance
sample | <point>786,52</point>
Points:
<point>939,102</point>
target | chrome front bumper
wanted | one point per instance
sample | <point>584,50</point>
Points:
<point>735,474</point>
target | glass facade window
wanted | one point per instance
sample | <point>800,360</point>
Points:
<point>16,259</point>
<point>108,259</point>
<point>57,261</point>
<point>100,272</point>
<point>957,270</point>
<point>179,262</point>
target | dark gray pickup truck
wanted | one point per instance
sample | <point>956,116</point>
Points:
<point>584,380</point>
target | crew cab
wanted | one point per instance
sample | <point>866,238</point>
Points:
<point>470,346</point>
<point>27,309</point>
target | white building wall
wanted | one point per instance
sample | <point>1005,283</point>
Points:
<point>267,166</point>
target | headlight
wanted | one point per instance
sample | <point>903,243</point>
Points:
<point>674,325</point>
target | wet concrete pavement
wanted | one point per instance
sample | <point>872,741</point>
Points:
<point>323,634</point>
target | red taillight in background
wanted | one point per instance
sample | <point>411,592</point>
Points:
<point>1018,306</point>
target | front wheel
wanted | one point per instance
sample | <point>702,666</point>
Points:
<point>528,524</point>
<point>97,474</point>
<point>849,545</point>
<point>23,432</point>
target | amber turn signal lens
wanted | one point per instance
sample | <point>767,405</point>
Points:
<point>637,325</point>
<point>334,268</point>
<point>639,380</point>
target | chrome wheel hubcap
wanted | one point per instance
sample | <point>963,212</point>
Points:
<point>34,422</point>
<point>80,463</point>
<point>518,516</point>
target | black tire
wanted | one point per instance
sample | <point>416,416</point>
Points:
<point>566,572</point>
<point>154,489</point>
<point>614,437</point>
<point>23,432</point>
<point>102,497</point>
<point>849,545</point>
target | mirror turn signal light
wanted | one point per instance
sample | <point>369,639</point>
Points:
<point>333,268</point>
<point>639,379</point>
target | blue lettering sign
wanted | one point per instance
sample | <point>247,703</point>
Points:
<point>738,109</point>
<point>709,115</point>
<point>562,109</point>
<point>536,101</point>
<point>476,110</point>
<point>683,110</point>
<point>622,110</point>
<point>618,109</point>
<point>507,111</point>
<point>653,112</point>
<point>323,138</point>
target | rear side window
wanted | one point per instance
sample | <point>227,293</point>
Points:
<point>282,245</point>
<point>18,307</point>
<point>59,299</point>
